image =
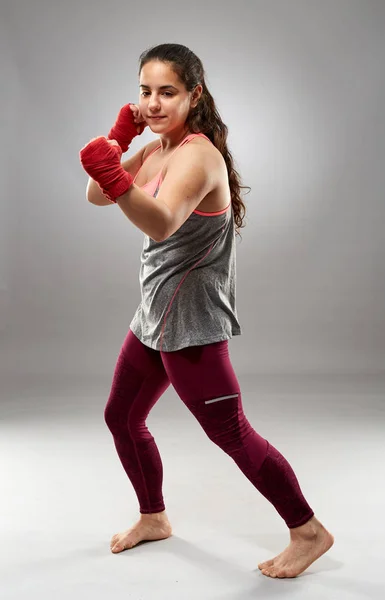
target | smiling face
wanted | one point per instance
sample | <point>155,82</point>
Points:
<point>163,94</point>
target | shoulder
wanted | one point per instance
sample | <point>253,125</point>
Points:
<point>203,144</point>
<point>199,159</point>
<point>200,151</point>
<point>197,166</point>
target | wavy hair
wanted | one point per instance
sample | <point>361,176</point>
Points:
<point>204,118</point>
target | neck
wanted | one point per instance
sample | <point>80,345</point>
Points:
<point>171,140</point>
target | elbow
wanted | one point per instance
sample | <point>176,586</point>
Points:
<point>158,238</point>
<point>89,194</point>
<point>90,199</point>
<point>93,194</point>
<point>96,198</point>
<point>161,238</point>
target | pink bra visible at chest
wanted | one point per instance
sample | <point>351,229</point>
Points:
<point>152,187</point>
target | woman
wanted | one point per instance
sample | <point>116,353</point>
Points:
<point>183,192</point>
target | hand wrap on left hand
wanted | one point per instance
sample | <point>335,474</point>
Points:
<point>125,129</point>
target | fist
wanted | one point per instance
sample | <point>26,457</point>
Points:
<point>138,118</point>
<point>112,142</point>
<point>100,158</point>
<point>88,149</point>
<point>128,125</point>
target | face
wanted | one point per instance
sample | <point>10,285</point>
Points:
<point>162,94</point>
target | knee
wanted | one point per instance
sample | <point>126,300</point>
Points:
<point>111,418</point>
<point>115,416</point>
<point>230,434</point>
<point>127,424</point>
<point>229,441</point>
<point>225,435</point>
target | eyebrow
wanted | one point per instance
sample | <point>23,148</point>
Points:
<point>162,87</point>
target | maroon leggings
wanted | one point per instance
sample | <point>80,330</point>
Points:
<point>204,379</point>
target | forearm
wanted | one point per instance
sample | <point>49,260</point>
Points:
<point>108,179</point>
<point>144,211</point>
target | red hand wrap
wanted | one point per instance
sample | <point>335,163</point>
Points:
<point>101,161</point>
<point>124,129</point>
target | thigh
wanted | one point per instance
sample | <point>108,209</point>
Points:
<point>204,379</point>
<point>143,359</point>
<point>139,379</point>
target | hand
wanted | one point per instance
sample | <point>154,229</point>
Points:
<point>100,158</point>
<point>113,143</point>
<point>128,125</point>
<point>138,118</point>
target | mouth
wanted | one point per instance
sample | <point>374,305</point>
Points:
<point>156,118</point>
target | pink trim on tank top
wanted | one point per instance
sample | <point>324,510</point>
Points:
<point>156,181</point>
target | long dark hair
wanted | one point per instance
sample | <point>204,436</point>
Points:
<point>204,118</point>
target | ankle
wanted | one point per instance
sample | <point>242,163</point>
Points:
<point>160,516</point>
<point>309,530</point>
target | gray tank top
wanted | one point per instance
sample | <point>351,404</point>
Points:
<point>188,282</point>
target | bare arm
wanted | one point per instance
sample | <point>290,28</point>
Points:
<point>148,214</point>
<point>144,211</point>
<point>93,192</point>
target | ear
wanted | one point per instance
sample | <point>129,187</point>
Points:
<point>196,95</point>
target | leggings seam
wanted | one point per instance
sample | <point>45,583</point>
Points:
<point>267,454</point>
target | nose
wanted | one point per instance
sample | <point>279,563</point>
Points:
<point>153,103</point>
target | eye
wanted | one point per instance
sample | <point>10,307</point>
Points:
<point>165,93</point>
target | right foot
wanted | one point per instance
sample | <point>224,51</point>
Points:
<point>148,528</point>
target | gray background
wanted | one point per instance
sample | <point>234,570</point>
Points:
<point>301,86</point>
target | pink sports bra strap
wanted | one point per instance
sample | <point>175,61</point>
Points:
<point>158,178</point>
<point>188,137</point>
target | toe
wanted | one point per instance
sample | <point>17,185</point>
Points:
<point>272,571</point>
<point>281,574</point>
<point>117,546</point>
<point>266,564</point>
<point>285,571</point>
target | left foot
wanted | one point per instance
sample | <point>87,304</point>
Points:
<point>308,542</point>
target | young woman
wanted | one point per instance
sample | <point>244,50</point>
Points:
<point>183,192</point>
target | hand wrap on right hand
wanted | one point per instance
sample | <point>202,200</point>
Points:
<point>101,161</point>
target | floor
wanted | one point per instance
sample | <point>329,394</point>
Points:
<point>64,494</point>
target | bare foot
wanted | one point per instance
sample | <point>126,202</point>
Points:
<point>308,542</point>
<point>149,528</point>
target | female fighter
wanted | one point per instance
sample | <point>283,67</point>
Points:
<point>183,192</point>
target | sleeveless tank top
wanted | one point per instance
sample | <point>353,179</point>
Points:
<point>188,281</point>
